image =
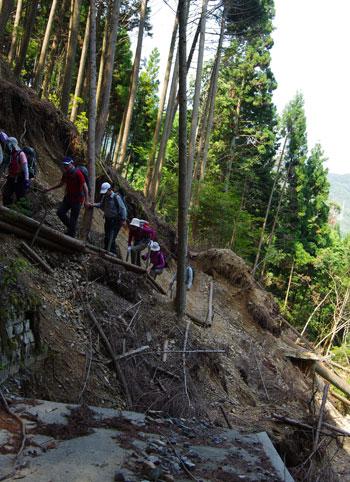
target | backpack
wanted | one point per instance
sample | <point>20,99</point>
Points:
<point>6,153</point>
<point>85,173</point>
<point>31,160</point>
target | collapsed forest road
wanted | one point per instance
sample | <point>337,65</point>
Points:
<point>112,340</point>
<point>80,443</point>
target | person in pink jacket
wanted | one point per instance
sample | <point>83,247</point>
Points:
<point>157,260</point>
<point>141,236</point>
<point>17,181</point>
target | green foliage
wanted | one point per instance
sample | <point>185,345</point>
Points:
<point>23,206</point>
<point>9,272</point>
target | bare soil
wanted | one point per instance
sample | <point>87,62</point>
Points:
<point>237,366</point>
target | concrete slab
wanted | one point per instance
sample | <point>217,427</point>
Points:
<point>135,446</point>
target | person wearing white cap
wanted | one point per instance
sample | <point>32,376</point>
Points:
<point>115,215</point>
<point>157,260</point>
<point>141,236</point>
<point>17,181</point>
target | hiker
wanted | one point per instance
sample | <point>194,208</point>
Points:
<point>76,193</point>
<point>189,278</point>
<point>157,260</point>
<point>141,235</point>
<point>17,181</point>
<point>115,215</point>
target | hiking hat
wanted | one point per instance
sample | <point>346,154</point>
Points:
<point>155,246</point>
<point>14,143</point>
<point>67,160</point>
<point>104,188</point>
<point>135,222</point>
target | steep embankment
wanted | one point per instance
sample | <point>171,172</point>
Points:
<point>238,366</point>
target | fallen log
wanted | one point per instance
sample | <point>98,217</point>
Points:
<point>35,257</point>
<point>339,397</point>
<point>22,233</point>
<point>332,378</point>
<point>127,266</point>
<point>196,319</point>
<point>24,222</point>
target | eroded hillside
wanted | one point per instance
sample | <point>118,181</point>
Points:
<point>238,367</point>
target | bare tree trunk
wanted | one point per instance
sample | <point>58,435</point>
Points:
<point>71,49</point>
<point>160,110</point>
<point>28,28</point>
<point>133,87</point>
<point>180,300</point>
<point>53,52</point>
<point>275,221</point>
<point>44,47</point>
<point>80,79</point>
<point>208,123</point>
<point>268,207</point>
<point>107,77</point>
<point>235,226</point>
<point>289,285</point>
<point>5,10</point>
<point>87,221</point>
<point>153,188</point>
<point>197,91</point>
<point>11,54</point>
<point>168,123</point>
<point>103,54</point>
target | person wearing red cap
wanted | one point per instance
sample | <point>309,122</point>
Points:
<point>76,193</point>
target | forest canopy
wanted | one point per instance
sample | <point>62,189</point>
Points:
<point>204,144</point>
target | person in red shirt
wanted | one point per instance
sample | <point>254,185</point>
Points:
<point>17,181</point>
<point>76,194</point>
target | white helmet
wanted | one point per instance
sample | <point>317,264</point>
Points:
<point>135,222</point>
<point>104,188</point>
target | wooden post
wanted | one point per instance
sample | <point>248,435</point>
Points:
<point>210,309</point>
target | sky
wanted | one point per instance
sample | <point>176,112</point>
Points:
<point>310,55</point>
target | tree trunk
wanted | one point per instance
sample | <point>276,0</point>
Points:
<point>133,87</point>
<point>71,49</point>
<point>88,214</point>
<point>180,300</point>
<point>160,110</point>
<point>53,53</point>
<point>208,123</point>
<point>28,28</point>
<point>80,79</point>
<point>169,120</point>
<point>275,221</point>
<point>5,10</point>
<point>235,226</point>
<point>107,77</point>
<point>289,285</point>
<point>45,47</point>
<point>12,52</point>
<point>268,207</point>
<point>196,99</point>
<point>103,54</point>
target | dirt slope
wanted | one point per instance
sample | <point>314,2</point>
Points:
<point>238,366</point>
